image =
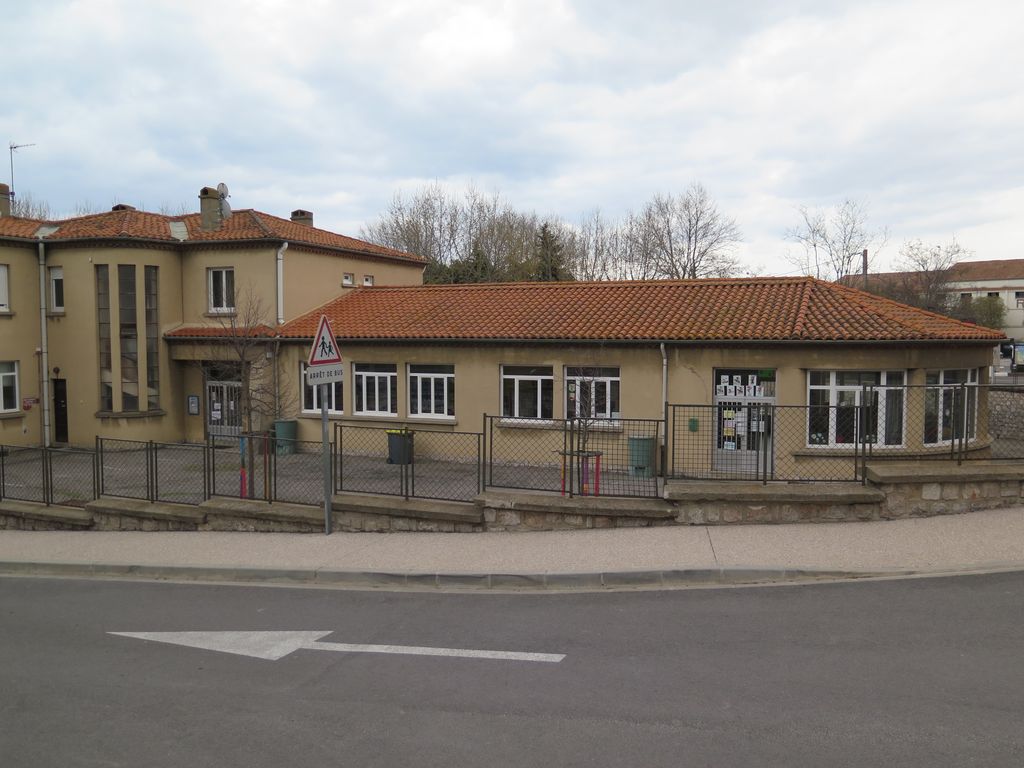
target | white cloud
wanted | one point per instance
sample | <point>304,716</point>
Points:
<point>565,106</point>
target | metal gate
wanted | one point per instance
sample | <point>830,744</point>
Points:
<point>223,408</point>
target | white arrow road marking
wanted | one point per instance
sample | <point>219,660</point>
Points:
<point>277,645</point>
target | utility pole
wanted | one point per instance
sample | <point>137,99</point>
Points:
<point>11,147</point>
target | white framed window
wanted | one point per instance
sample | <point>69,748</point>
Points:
<point>432,391</point>
<point>527,391</point>
<point>5,296</point>
<point>311,395</point>
<point>835,416</point>
<point>9,387</point>
<point>375,389</point>
<point>950,405</point>
<point>222,289</point>
<point>367,281</point>
<point>592,393</point>
<point>348,279</point>
<point>56,289</point>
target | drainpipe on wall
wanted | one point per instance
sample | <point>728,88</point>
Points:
<point>664,401</point>
<point>44,360</point>
<point>280,321</point>
<point>280,282</point>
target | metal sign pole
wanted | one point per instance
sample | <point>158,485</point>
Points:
<point>326,459</point>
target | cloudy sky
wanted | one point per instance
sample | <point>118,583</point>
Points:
<point>915,109</point>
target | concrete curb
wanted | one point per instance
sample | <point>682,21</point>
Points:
<point>505,582</point>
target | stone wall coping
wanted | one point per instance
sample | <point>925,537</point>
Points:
<point>815,493</point>
<point>396,506</point>
<point>605,506</point>
<point>895,473</point>
<point>161,510</point>
<point>54,513</point>
<point>261,510</point>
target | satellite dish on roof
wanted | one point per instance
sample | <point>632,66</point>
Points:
<point>225,206</point>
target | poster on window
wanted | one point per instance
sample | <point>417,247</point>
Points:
<point>737,380</point>
<point>729,445</point>
<point>720,390</point>
<point>751,379</point>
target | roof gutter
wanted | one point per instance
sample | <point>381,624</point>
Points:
<point>657,342</point>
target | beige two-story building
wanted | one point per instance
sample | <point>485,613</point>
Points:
<point>86,304</point>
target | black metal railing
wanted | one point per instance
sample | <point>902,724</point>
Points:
<point>65,476</point>
<point>767,443</point>
<point>407,462</point>
<point>575,457</point>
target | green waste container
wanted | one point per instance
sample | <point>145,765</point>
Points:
<point>399,446</point>
<point>285,433</point>
<point>641,456</point>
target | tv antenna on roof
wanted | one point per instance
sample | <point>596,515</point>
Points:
<point>225,206</point>
<point>11,147</point>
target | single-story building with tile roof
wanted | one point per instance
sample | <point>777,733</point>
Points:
<point>531,354</point>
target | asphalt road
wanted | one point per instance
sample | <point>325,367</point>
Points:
<point>926,672</point>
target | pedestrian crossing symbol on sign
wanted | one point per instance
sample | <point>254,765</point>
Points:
<point>325,346</point>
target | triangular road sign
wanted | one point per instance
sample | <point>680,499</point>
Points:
<point>325,346</point>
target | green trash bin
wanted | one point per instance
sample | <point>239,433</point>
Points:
<point>285,433</point>
<point>641,456</point>
<point>399,446</point>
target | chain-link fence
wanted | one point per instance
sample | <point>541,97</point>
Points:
<point>65,476</point>
<point>597,457</point>
<point>124,468</point>
<point>73,476</point>
<point>23,474</point>
<point>764,442</point>
<point>405,462</point>
<point>241,466</point>
<point>833,441</point>
<point>180,473</point>
<point>298,471</point>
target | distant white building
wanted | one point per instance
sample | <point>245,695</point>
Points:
<point>1004,279</point>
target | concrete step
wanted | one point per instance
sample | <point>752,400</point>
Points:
<point>419,509</point>
<point>894,472</point>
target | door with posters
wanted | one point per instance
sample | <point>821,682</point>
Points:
<point>223,401</point>
<point>743,421</point>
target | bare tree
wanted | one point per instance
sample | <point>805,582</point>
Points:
<point>686,236</point>
<point>26,206</point>
<point>248,348</point>
<point>832,241</point>
<point>924,274</point>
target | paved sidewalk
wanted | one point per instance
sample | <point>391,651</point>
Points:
<point>587,559</point>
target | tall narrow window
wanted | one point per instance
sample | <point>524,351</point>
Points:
<point>103,324</point>
<point>222,289</point>
<point>152,339</point>
<point>56,289</point>
<point>5,297</point>
<point>128,333</point>
<point>9,386</point>
<point>951,405</point>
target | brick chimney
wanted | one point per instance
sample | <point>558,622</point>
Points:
<point>5,200</point>
<point>209,208</point>
<point>305,218</point>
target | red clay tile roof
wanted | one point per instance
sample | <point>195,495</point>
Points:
<point>752,309</point>
<point>246,224</point>
<point>219,332</point>
<point>967,271</point>
<point>12,226</point>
